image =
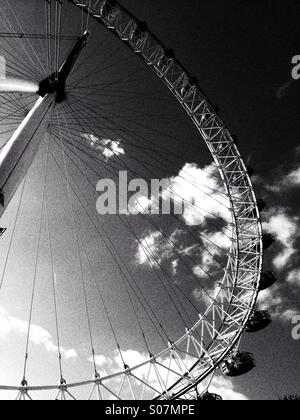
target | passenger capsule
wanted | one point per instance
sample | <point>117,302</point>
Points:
<point>235,139</point>
<point>267,280</point>
<point>239,364</point>
<point>268,240</point>
<point>261,204</point>
<point>258,321</point>
<point>210,397</point>
<point>250,171</point>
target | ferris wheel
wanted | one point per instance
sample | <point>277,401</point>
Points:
<point>128,305</point>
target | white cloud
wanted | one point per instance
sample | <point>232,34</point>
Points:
<point>203,191</point>
<point>111,148</point>
<point>197,193</point>
<point>175,264</point>
<point>93,140</point>
<point>286,230</point>
<point>226,389</point>
<point>293,277</point>
<point>153,249</point>
<point>147,373</point>
<point>209,253</point>
<point>70,354</point>
<point>281,260</point>
<point>293,177</point>
<point>109,365</point>
<point>141,205</point>
<point>156,248</point>
<point>270,299</point>
<point>276,304</point>
<point>282,226</point>
<point>114,363</point>
<point>38,335</point>
<point>107,147</point>
<point>289,180</point>
<point>205,296</point>
<point>289,314</point>
<point>200,189</point>
<point>103,361</point>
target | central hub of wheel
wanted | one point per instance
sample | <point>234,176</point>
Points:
<point>56,82</point>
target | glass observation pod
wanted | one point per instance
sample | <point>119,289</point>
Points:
<point>261,204</point>
<point>267,280</point>
<point>268,240</point>
<point>210,397</point>
<point>258,321</point>
<point>238,364</point>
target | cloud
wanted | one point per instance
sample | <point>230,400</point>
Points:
<point>293,178</point>
<point>293,277</point>
<point>114,364</point>
<point>38,335</point>
<point>276,304</point>
<point>175,264</point>
<point>70,354</point>
<point>156,248</point>
<point>111,148</point>
<point>284,226</point>
<point>283,90</point>
<point>289,314</point>
<point>281,260</point>
<point>206,295</point>
<point>204,254</point>
<point>226,389</point>
<point>210,253</point>
<point>286,230</point>
<point>153,249</point>
<point>208,265</point>
<point>110,365</point>
<point>288,181</point>
<point>200,193</point>
<point>107,147</point>
<point>281,223</point>
<point>197,193</point>
<point>202,189</point>
<point>270,299</point>
<point>179,249</point>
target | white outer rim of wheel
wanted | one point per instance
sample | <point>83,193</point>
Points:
<point>244,267</point>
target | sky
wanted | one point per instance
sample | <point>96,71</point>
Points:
<point>241,55</point>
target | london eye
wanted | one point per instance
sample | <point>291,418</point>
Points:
<point>134,304</point>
